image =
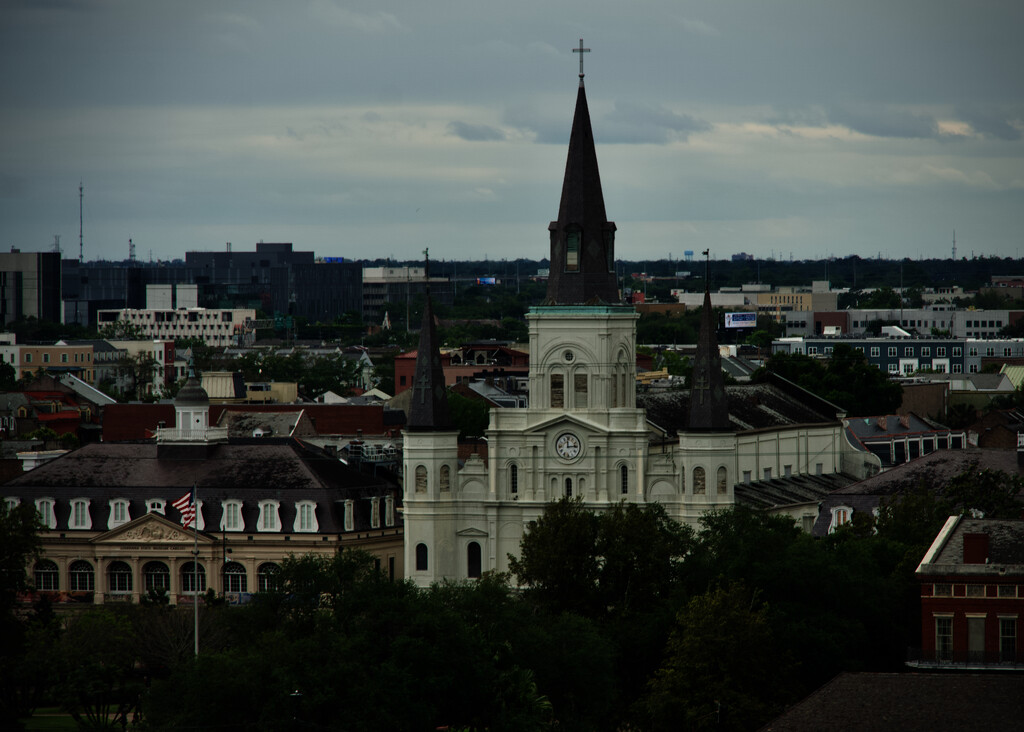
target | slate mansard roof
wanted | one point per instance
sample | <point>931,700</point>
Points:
<point>773,404</point>
<point>286,471</point>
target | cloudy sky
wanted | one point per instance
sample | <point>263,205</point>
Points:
<point>368,128</point>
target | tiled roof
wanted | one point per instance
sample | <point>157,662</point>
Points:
<point>778,492</point>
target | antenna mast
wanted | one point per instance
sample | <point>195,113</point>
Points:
<point>56,243</point>
<point>131,250</point>
<point>81,248</point>
<point>954,245</point>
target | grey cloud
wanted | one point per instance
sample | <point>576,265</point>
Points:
<point>990,123</point>
<point>475,133</point>
<point>884,121</point>
<point>546,128</point>
<point>645,123</point>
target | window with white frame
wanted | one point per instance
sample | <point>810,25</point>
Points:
<point>374,512</point>
<point>894,368</point>
<point>892,350</point>
<point>47,575</point>
<point>958,368</point>
<point>840,515</point>
<point>47,517</point>
<point>268,520</point>
<point>926,352</point>
<point>875,351</point>
<point>235,579</point>
<point>389,510</point>
<point>156,505</point>
<point>957,351</point>
<point>80,518</point>
<point>231,515</point>
<point>350,519</point>
<point>940,351</point>
<point>119,513</point>
<point>305,518</point>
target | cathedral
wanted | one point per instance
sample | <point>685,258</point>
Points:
<point>584,433</point>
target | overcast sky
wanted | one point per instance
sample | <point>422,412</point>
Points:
<point>367,128</point>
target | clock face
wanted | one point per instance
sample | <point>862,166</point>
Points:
<point>567,446</point>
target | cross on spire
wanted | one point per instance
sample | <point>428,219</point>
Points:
<point>581,50</point>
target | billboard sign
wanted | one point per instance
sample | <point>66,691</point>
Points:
<point>741,320</point>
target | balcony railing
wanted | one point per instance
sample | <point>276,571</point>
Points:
<point>988,660</point>
<point>174,434</point>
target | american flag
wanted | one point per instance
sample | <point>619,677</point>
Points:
<point>186,505</point>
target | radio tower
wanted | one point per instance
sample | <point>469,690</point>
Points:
<point>954,245</point>
<point>131,250</point>
<point>81,249</point>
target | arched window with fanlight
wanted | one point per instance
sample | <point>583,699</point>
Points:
<point>267,576</point>
<point>47,575</point>
<point>156,576</point>
<point>81,577</point>
<point>235,579</point>
<point>119,578</point>
<point>193,578</point>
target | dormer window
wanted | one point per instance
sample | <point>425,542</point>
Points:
<point>44,506</point>
<point>269,520</point>
<point>840,515</point>
<point>80,518</point>
<point>156,505</point>
<point>231,516</point>
<point>119,513</point>
<point>305,517</point>
<point>375,513</point>
<point>350,519</point>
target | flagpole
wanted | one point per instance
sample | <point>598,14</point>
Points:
<point>195,569</point>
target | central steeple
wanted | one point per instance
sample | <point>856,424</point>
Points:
<point>582,239</point>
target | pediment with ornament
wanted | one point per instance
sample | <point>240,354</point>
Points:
<point>150,529</point>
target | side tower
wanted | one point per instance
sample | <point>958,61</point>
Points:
<point>429,464</point>
<point>708,448</point>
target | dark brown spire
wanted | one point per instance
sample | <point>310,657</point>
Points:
<point>582,240</point>
<point>429,409</point>
<point>709,406</point>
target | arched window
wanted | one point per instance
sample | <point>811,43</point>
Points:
<point>513,479</point>
<point>119,578</point>
<point>723,486</point>
<point>193,578</point>
<point>81,577</point>
<point>156,576</point>
<point>698,480</point>
<point>624,479</point>
<point>421,479</point>
<point>266,577</point>
<point>235,579</point>
<point>421,557</point>
<point>446,479</point>
<point>473,560</point>
<point>47,575</point>
<point>568,487</point>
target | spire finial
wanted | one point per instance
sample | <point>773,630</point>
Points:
<point>707,270</point>
<point>581,50</point>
